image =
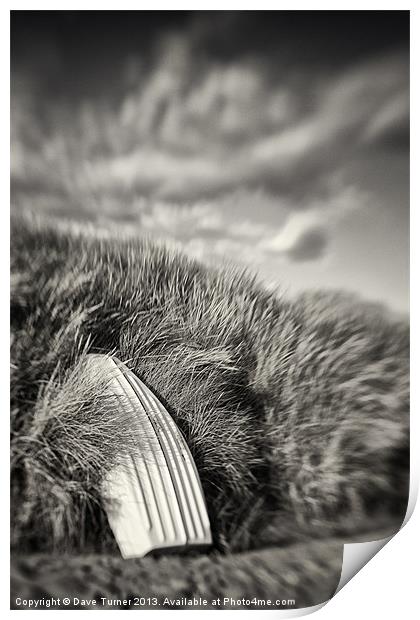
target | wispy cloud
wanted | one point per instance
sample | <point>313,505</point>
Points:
<point>252,227</point>
<point>184,134</point>
<point>226,158</point>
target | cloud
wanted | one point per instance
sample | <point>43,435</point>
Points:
<point>391,118</point>
<point>181,222</point>
<point>310,246</point>
<point>252,227</point>
<point>225,158</point>
<point>184,134</point>
<point>264,140</point>
<point>295,228</point>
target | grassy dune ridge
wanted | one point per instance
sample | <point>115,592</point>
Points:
<point>296,411</point>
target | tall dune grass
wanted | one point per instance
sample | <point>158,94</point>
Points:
<point>296,411</point>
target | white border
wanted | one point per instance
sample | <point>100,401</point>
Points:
<point>190,5</point>
<point>387,586</point>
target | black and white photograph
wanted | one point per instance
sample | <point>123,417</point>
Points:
<point>209,304</point>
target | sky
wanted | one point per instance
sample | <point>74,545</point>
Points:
<point>273,140</point>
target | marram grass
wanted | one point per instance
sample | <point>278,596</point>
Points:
<point>296,411</point>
